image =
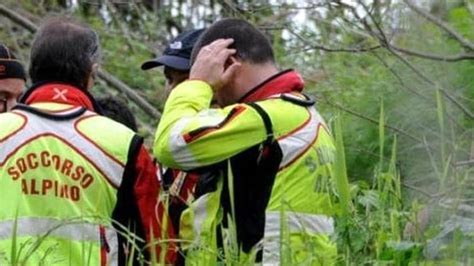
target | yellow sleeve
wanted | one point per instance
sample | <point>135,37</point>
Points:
<point>192,135</point>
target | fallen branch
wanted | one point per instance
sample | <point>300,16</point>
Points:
<point>15,17</point>
<point>132,94</point>
<point>107,77</point>
<point>464,163</point>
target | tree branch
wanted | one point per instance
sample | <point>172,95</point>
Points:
<point>464,42</point>
<point>347,50</point>
<point>115,14</point>
<point>383,41</point>
<point>381,36</point>
<point>109,78</point>
<point>12,15</point>
<point>447,58</point>
<point>330,49</point>
<point>403,84</point>
<point>417,190</point>
<point>374,121</point>
<point>451,98</point>
<point>464,163</point>
<point>399,78</point>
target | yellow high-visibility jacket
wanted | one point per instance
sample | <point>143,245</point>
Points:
<point>72,183</point>
<point>280,153</point>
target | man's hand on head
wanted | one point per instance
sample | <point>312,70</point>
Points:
<point>210,62</point>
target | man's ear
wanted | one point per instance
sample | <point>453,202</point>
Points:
<point>92,76</point>
<point>230,61</point>
<point>95,70</point>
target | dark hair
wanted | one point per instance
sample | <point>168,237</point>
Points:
<point>251,44</point>
<point>117,110</point>
<point>64,51</point>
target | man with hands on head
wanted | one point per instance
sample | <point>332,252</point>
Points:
<point>268,140</point>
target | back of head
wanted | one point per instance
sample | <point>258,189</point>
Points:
<point>117,110</point>
<point>251,44</point>
<point>64,51</point>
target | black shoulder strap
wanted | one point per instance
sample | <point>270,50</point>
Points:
<point>307,101</point>
<point>266,121</point>
<point>126,215</point>
<point>38,112</point>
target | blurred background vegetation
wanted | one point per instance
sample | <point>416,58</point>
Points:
<point>397,74</point>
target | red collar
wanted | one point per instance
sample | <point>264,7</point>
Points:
<point>283,82</point>
<point>60,93</point>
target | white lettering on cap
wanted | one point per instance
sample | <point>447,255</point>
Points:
<point>176,45</point>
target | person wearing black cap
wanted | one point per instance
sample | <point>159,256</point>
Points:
<point>12,79</point>
<point>180,185</point>
<point>176,58</point>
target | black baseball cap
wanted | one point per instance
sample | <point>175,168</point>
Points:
<point>177,54</point>
<point>10,67</point>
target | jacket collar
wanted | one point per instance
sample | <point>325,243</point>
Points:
<point>284,82</point>
<point>60,93</point>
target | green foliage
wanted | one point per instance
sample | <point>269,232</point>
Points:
<point>399,137</point>
<point>462,20</point>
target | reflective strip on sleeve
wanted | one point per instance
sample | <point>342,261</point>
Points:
<point>64,131</point>
<point>178,146</point>
<point>297,222</point>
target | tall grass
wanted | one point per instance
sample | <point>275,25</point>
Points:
<point>369,223</point>
<point>340,171</point>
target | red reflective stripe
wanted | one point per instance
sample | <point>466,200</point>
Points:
<point>94,143</point>
<point>25,121</point>
<point>299,127</point>
<point>65,142</point>
<point>103,246</point>
<point>190,138</point>
<point>320,125</point>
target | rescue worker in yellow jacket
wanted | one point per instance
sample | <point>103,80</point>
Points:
<point>77,188</point>
<point>272,148</point>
